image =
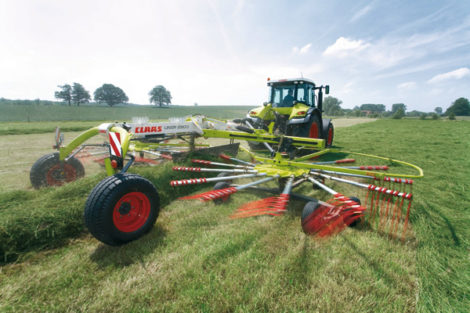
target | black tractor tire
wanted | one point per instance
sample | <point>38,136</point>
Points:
<point>221,185</point>
<point>329,135</point>
<point>48,170</point>
<point>308,209</point>
<point>121,208</point>
<point>311,129</point>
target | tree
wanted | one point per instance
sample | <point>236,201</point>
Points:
<point>438,110</point>
<point>110,94</point>
<point>332,106</point>
<point>79,94</point>
<point>65,93</point>
<point>160,95</point>
<point>397,106</point>
<point>399,114</point>
<point>452,116</point>
<point>375,108</point>
<point>461,107</point>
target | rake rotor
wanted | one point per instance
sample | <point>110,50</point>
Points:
<point>386,206</point>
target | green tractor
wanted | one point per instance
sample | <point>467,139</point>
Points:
<point>294,109</point>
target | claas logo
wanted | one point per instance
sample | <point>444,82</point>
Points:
<point>148,129</point>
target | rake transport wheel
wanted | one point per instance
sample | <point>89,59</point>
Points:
<point>221,185</point>
<point>309,208</point>
<point>48,170</point>
<point>356,222</point>
<point>121,208</point>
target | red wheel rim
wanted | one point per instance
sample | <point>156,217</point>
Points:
<point>313,130</point>
<point>330,136</point>
<point>60,174</point>
<point>131,212</point>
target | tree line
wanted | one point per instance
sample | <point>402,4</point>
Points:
<point>332,107</point>
<point>108,93</point>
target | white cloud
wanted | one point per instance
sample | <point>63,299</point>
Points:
<point>407,86</point>
<point>361,13</point>
<point>302,50</point>
<point>344,47</point>
<point>457,74</point>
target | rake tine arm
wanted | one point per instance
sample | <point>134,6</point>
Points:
<point>205,162</point>
<point>229,158</point>
<point>341,174</point>
<point>193,181</point>
<point>336,162</point>
<point>200,169</point>
<point>370,187</point>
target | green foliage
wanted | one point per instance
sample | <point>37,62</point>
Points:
<point>79,94</point>
<point>45,218</point>
<point>397,106</point>
<point>399,114</point>
<point>452,116</point>
<point>65,93</point>
<point>110,94</point>
<point>375,108</point>
<point>460,107</point>
<point>332,106</point>
<point>160,96</point>
<point>438,110</point>
<point>435,116</point>
<point>422,116</point>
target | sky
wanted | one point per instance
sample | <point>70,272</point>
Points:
<point>221,52</point>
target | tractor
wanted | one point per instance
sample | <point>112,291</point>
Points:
<point>294,109</point>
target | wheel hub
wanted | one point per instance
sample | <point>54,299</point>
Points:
<point>125,208</point>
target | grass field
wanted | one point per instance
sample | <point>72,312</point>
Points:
<point>197,259</point>
<point>32,113</point>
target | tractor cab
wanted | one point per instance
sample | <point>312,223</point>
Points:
<point>285,93</point>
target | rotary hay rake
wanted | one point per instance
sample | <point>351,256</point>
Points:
<point>386,206</point>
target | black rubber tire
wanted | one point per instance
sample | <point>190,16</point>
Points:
<point>308,209</point>
<point>357,221</point>
<point>45,171</point>
<point>304,129</point>
<point>101,203</point>
<point>221,185</point>
<point>328,140</point>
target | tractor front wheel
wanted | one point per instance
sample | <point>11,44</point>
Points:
<point>121,208</point>
<point>49,170</point>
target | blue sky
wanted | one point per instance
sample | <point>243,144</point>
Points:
<point>221,52</point>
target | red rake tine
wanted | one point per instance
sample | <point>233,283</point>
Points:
<point>369,167</point>
<point>268,205</point>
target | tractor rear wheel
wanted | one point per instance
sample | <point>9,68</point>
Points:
<point>49,170</point>
<point>121,208</point>
<point>330,133</point>
<point>311,129</point>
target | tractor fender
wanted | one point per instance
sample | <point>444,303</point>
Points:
<point>306,119</point>
<point>325,122</point>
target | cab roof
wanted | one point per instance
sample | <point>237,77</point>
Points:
<point>289,81</point>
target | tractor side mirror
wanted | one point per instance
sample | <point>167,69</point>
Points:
<point>327,89</point>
